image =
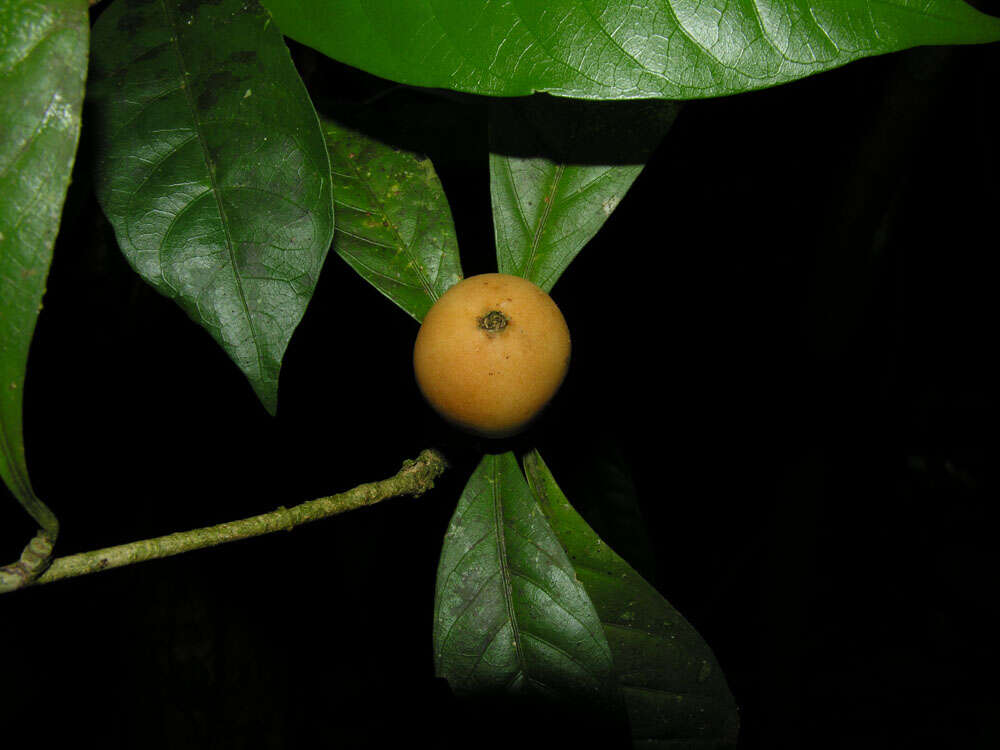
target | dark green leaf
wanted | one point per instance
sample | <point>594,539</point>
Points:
<point>604,494</point>
<point>213,170</point>
<point>675,692</point>
<point>43,64</point>
<point>394,225</point>
<point>510,615</point>
<point>558,168</point>
<point>619,49</point>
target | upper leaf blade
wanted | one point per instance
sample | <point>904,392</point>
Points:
<point>509,614</point>
<point>43,64</point>
<point>674,690</point>
<point>394,226</point>
<point>618,49</point>
<point>558,169</point>
<point>213,170</point>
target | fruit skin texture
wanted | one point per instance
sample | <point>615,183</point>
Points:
<point>491,373</point>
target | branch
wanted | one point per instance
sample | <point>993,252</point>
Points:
<point>416,477</point>
<point>32,563</point>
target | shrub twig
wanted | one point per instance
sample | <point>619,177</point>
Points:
<point>414,478</point>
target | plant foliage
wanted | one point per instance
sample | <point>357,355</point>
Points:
<point>213,169</point>
<point>616,49</point>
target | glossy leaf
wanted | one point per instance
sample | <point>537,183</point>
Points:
<point>43,64</point>
<point>394,225</point>
<point>674,690</point>
<point>618,49</point>
<point>509,614</point>
<point>558,169</point>
<point>213,170</point>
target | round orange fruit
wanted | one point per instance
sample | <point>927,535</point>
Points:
<point>491,353</point>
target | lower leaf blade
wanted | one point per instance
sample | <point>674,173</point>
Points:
<point>510,616</point>
<point>674,690</point>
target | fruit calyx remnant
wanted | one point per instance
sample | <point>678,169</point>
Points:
<point>493,322</point>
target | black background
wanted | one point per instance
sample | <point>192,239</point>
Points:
<point>784,334</point>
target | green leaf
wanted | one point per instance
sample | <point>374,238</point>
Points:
<point>394,225</point>
<point>604,494</point>
<point>213,170</point>
<point>619,49</point>
<point>674,690</point>
<point>558,168</point>
<point>509,614</point>
<point>43,64</point>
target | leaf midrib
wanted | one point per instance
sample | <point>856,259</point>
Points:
<point>214,186</point>
<point>505,573</point>
<point>547,200</point>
